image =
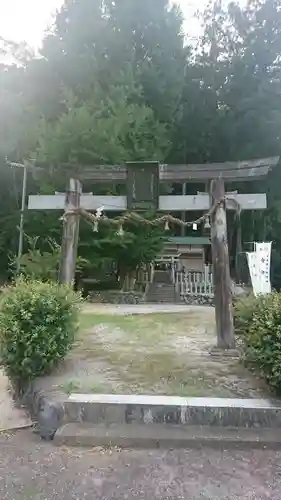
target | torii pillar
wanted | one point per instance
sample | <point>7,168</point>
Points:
<point>221,271</point>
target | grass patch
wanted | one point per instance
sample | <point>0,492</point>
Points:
<point>147,325</point>
<point>87,320</point>
<point>70,387</point>
<point>77,387</point>
<point>158,354</point>
<point>139,350</point>
<point>100,389</point>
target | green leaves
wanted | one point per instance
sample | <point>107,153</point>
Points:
<point>38,323</point>
<point>117,83</point>
<point>139,245</point>
<point>106,129</point>
<point>258,322</point>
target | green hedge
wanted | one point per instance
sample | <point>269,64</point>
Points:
<point>258,323</point>
<point>38,323</point>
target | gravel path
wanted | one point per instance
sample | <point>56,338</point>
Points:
<point>141,309</point>
<point>33,470</point>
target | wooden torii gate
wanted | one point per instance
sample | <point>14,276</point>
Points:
<point>140,198</point>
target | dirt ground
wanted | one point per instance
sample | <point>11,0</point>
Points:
<point>35,470</point>
<point>162,352</point>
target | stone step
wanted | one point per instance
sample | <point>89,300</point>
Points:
<point>159,286</point>
<point>157,300</point>
<point>157,293</point>
<point>162,289</point>
<point>140,409</point>
<point>162,293</point>
<point>162,277</point>
<point>159,297</point>
<point>165,436</point>
<point>169,299</point>
<point>165,295</point>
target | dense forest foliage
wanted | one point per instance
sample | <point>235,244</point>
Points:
<point>118,81</point>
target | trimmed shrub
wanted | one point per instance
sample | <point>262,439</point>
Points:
<point>258,323</point>
<point>38,323</point>
<point>244,308</point>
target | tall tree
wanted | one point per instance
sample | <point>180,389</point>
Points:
<point>94,41</point>
<point>106,129</point>
<point>116,82</point>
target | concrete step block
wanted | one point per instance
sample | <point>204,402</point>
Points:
<point>142,409</point>
<point>165,436</point>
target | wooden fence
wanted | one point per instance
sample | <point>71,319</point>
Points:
<point>195,283</point>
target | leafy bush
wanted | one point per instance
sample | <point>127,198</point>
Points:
<point>38,323</point>
<point>258,322</point>
<point>38,264</point>
<point>244,308</point>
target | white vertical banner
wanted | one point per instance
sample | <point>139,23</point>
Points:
<point>253,268</point>
<point>264,256</point>
<point>259,267</point>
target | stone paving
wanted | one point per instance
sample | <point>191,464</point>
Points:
<point>10,417</point>
<point>35,470</point>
